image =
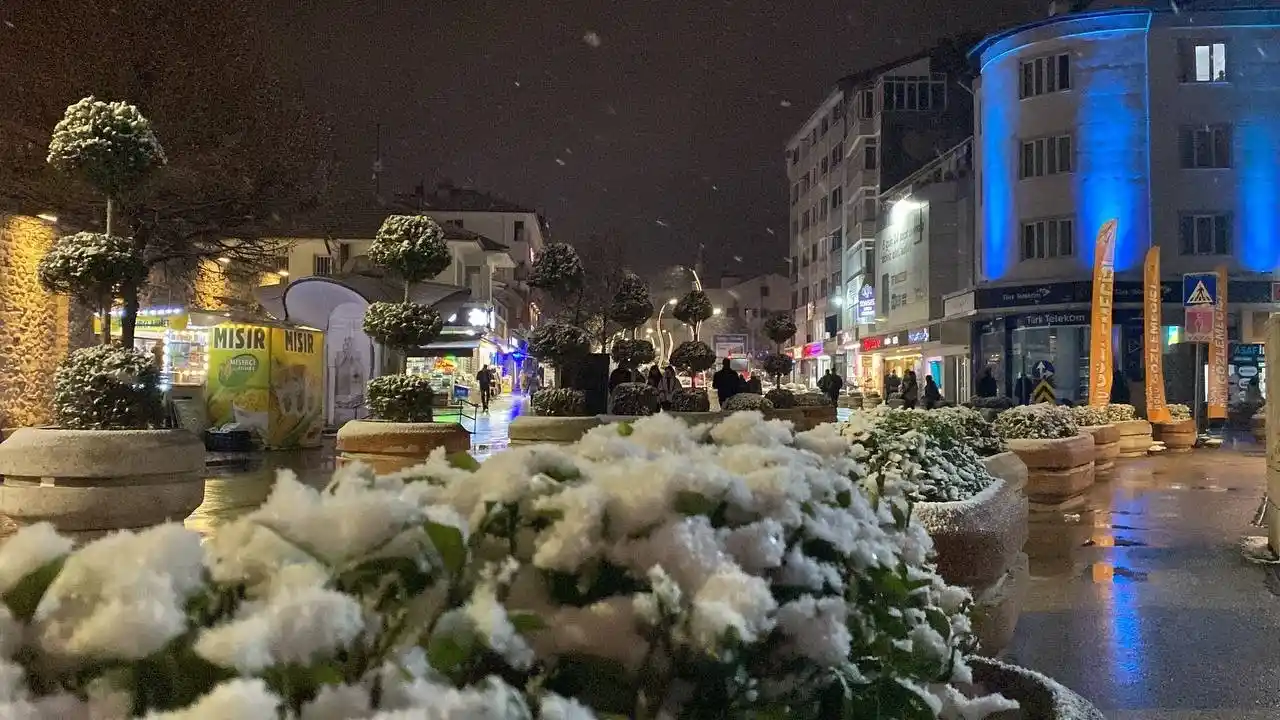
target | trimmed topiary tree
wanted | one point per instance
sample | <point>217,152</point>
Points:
<point>781,398</point>
<point>414,249</point>
<point>631,306</point>
<point>693,357</point>
<point>779,328</point>
<point>693,309</point>
<point>635,399</point>
<point>631,354</point>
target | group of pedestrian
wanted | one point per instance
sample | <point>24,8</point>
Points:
<point>664,380</point>
<point>727,382</point>
<point>908,386</point>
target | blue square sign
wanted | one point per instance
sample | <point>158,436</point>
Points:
<point>1199,289</point>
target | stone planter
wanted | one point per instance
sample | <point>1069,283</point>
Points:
<point>850,402</point>
<point>90,482</point>
<point>871,400</point>
<point>1258,427</point>
<point>536,429</point>
<point>978,542</point>
<point>1178,436</point>
<point>1106,447</point>
<point>1039,697</point>
<point>391,446</point>
<point>1057,469</point>
<point>1135,438</point>
<point>795,415</point>
<point>815,415</point>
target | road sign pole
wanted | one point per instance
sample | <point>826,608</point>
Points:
<point>1195,405</point>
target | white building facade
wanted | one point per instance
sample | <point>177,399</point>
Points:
<point>1167,122</point>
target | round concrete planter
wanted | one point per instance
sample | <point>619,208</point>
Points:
<point>850,402</point>
<point>1135,438</point>
<point>795,415</point>
<point>391,446</point>
<point>90,482</point>
<point>536,429</point>
<point>1258,426</point>
<point>1057,469</point>
<point>1106,447</point>
<point>1178,437</point>
<point>979,542</point>
<point>1039,697</point>
<point>815,415</point>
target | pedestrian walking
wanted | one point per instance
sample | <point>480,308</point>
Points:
<point>830,385</point>
<point>910,390</point>
<point>932,395</point>
<point>987,384</point>
<point>484,379</point>
<point>668,387</point>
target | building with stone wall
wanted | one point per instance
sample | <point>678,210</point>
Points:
<point>34,328</point>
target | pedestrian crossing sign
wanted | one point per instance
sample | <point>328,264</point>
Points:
<point>1199,289</point>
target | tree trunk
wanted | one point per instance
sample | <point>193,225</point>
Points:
<point>129,317</point>
<point>104,317</point>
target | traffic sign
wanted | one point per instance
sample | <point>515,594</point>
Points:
<point>1199,289</point>
<point>1199,324</point>
<point>1043,369</point>
<point>1044,393</point>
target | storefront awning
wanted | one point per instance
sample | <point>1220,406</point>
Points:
<point>310,300</point>
<point>452,346</point>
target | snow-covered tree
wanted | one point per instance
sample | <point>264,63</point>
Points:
<point>631,306</point>
<point>693,309</point>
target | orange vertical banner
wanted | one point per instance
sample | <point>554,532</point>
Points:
<point>1104,263</point>
<point>1218,351</point>
<point>1152,343</point>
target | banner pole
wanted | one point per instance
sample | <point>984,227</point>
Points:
<point>1199,370</point>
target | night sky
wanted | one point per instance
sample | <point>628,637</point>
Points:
<point>659,123</point>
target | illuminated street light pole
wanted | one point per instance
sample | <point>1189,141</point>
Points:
<point>662,346</point>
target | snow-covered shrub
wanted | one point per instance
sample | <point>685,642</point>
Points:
<point>401,325</point>
<point>110,144</point>
<point>1120,412</point>
<point>972,429</point>
<point>632,353</point>
<point>781,398</point>
<point>746,401</point>
<point>780,328</point>
<point>1089,415</point>
<point>107,388</point>
<point>1034,422</point>
<point>693,309</point>
<point>91,267</point>
<point>693,356</point>
<point>778,366</point>
<point>411,245</point>
<point>992,403</point>
<point>557,269</point>
<point>634,399</point>
<point>559,402</point>
<point>400,398</point>
<point>690,400</point>
<point>649,569</point>
<point>1179,412</point>
<point>558,343</point>
<point>924,447</point>
<point>812,399</point>
<point>631,306</point>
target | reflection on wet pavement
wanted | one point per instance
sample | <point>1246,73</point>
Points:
<point>1141,602</point>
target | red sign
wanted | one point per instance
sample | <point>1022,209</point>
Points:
<point>813,349</point>
<point>1199,324</point>
<point>872,343</point>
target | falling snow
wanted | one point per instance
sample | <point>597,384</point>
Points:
<point>662,223</point>
<point>560,162</point>
<point>591,38</point>
<point>785,103</point>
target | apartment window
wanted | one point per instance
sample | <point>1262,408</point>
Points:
<point>795,228</point>
<point>322,265</point>
<point>1046,156</point>
<point>870,155</point>
<point>517,235</point>
<point>1205,234</point>
<point>1208,146</point>
<point>764,291</point>
<point>837,240</point>
<point>826,125</point>
<point>804,295</point>
<point>835,280</point>
<point>1207,61</point>
<point>804,221</point>
<point>915,93</point>
<point>866,101</point>
<point>1044,239</point>
<point>837,198</point>
<point>822,209</point>
<point>826,165</point>
<point>823,288</point>
<point>837,154</point>
<point>869,258</point>
<point>1045,75</point>
<point>869,209</point>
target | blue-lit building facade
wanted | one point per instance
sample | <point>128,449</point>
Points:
<point>1168,122</point>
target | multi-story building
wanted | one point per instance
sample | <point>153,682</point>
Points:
<point>873,130</point>
<point>1166,120</point>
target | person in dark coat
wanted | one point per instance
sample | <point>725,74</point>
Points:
<point>726,382</point>
<point>484,379</point>
<point>830,385</point>
<point>987,386</point>
<point>755,385</point>
<point>892,383</point>
<point>932,395</point>
<point>655,376</point>
<point>910,390</point>
<point>1119,389</point>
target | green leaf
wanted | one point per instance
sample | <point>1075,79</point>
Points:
<point>526,622</point>
<point>601,684</point>
<point>446,653</point>
<point>413,580</point>
<point>690,503</point>
<point>450,544</point>
<point>844,498</point>
<point>23,597</point>
<point>463,461</point>
<point>625,429</point>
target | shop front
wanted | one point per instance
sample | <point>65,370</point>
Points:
<point>928,351</point>
<point>812,362</point>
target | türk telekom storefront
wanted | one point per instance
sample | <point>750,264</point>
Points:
<point>1017,329</point>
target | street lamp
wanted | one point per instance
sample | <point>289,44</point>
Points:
<point>717,311</point>
<point>662,345</point>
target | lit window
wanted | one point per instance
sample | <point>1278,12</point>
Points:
<point>1210,62</point>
